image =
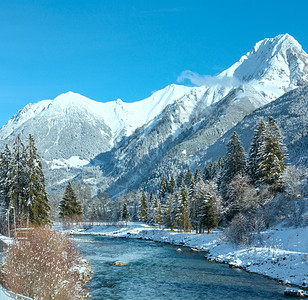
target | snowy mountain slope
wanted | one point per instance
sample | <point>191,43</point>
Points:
<point>274,65</point>
<point>291,114</point>
<point>118,146</point>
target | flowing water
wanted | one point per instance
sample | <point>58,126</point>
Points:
<point>158,271</point>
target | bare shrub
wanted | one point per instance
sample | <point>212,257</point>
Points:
<point>44,266</point>
<point>243,230</point>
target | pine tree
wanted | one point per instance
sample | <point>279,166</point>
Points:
<point>271,156</point>
<point>210,207</point>
<point>152,217</point>
<point>180,179</point>
<point>69,206</point>
<point>198,175</point>
<point>253,159</point>
<point>37,203</point>
<point>172,185</point>
<point>125,213</point>
<point>163,188</point>
<point>169,213</point>
<point>183,213</point>
<point>188,177</point>
<point>143,211</point>
<point>234,162</point>
<point>18,180</point>
<point>5,159</point>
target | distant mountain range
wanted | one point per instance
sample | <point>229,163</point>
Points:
<point>117,146</point>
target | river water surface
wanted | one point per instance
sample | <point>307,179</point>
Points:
<point>158,271</point>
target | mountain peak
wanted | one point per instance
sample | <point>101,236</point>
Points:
<point>278,61</point>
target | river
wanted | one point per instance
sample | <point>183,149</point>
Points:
<point>158,271</point>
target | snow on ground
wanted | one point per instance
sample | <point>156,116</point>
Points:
<point>6,239</point>
<point>282,254</point>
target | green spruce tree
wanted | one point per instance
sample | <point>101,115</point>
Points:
<point>143,209</point>
<point>37,203</point>
<point>125,213</point>
<point>234,162</point>
<point>69,205</point>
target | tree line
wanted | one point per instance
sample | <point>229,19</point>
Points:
<point>234,184</point>
<point>22,185</point>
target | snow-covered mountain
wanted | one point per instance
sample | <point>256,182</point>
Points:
<point>118,146</point>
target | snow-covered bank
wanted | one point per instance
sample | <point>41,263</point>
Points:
<point>282,254</point>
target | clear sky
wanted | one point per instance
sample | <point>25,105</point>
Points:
<point>109,49</point>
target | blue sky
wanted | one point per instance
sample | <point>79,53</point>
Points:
<point>109,49</point>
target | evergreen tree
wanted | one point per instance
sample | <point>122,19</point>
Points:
<point>159,214</point>
<point>172,185</point>
<point>37,203</point>
<point>5,159</point>
<point>170,212</point>
<point>253,159</point>
<point>234,162</point>
<point>188,177</point>
<point>69,206</point>
<point>198,175</point>
<point>183,212</point>
<point>18,180</point>
<point>125,213</point>
<point>271,156</point>
<point>152,213</point>
<point>143,211</point>
<point>210,206</point>
<point>163,188</point>
<point>180,179</point>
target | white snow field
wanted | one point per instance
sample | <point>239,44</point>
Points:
<point>282,254</point>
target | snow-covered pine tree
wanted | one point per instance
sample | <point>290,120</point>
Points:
<point>271,156</point>
<point>143,210</point>
<point>180,179</point>
<point>188,177</point>
<point>172,187</point>
<point>163,188</point>
<point>210,208</point>
<point>5,158</point>
<point>18,180</point>
<point>69,206</point>
<point>152,213</point>
<point>170,212</point>
<point>234,162</point>
<point>183,212</point>
<point>37,203</point>
<point>253,157</point>
<point>198,175</point>
<point>125,212</point>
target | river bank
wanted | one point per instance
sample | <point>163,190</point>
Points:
<point>280,254</point>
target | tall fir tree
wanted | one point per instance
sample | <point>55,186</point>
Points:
<point>234,162</point>
<point>125,212</point>
<point>172,186</point>
<point>37,203</point>
<point>253,169</point>
<point>183,211</point>
<point>143,210</point>
<point>163,189</point>
<point>69,205</point>
<point>188,177</point>
<point>18,180</point>
<point>271,156</point>
<point>180,179</point>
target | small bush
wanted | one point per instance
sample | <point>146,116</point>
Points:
<point>243,230</point>
<point>44,266</point>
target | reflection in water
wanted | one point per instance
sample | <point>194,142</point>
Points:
<point>158,271</point>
